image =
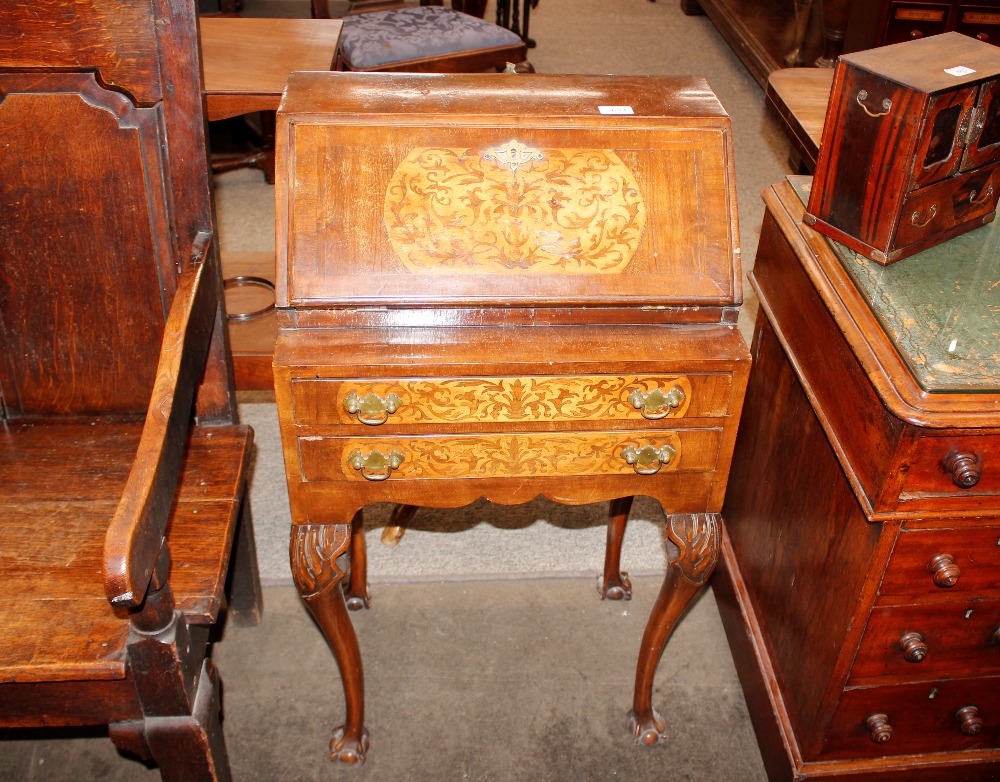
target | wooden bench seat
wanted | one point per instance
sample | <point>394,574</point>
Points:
<point>50,592</point>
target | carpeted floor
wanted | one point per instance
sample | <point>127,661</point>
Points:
<point>488,653</point>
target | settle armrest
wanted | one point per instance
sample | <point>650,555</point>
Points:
<point>137,530</point>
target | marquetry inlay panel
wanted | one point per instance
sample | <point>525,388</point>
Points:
<point>512,208</point>
<point>544,454</point>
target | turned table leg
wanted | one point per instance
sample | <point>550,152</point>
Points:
<point>356,591</point>
<point>697,539</point>
<point>315,549</point>
<point>615,584</point>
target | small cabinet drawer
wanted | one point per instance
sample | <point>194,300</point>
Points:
<point>947,204</point>
<point>938,716</point>
<point>943,565</point>
<point>981,22</point>
<point>518,455</point>
<point>926,642</point>
<point>517,400</point>
<point>953,467</point>
<point>909,21</point>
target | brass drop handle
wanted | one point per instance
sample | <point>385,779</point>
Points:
<point>965,468</point>
<point>376,466</point>
<point>878,727</point>
<point>886,105</point>
<point>371,409</point>
<point>944,570</point>
<point>648,460</point>
<point>913,646</point>
<point>918,222</point>
<point>983,197</point>
<point>656,404</point>
<point>969,721</point>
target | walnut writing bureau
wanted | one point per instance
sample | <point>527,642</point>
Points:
<point>860,573</point>
<point>503,286</point>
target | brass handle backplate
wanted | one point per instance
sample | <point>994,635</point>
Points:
<point>648,460</point>
<point>656,404</point>
<point>376,466</point>
<point>371,409</point>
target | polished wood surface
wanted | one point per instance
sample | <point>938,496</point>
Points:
<point>800,96</point>
<point>110,353</point>
<point>861,616</point>
<point>247,60</point>
<point>508,338</point>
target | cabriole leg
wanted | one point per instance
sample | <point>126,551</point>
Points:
<point>315,551</point>
<point>615,584</point>
<point>697,539</point>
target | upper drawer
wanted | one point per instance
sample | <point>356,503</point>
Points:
<point>953,471</point>
<point>431,190</point>
<point>516,400</point>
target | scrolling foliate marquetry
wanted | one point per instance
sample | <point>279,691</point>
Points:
<point>512,208</point>
<point>514,456</point>
<point>520,399</point>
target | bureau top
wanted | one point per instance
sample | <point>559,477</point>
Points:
<point>454,192</point>
<point>463,98</point>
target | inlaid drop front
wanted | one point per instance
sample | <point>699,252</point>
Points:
<point>514,208</point>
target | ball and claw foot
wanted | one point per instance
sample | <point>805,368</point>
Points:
<point>649,731</point>
<point>348,750</point>
<point>616,589</point>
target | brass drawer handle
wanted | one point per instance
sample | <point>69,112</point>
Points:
<point>648,460</point>
<point>656,404</point>
<point>878,727</point>
<point>914,647</point>
<point>917,222</point>
<point>969,721</point>
<point>944,570</point>
<point>983,197</point>
<point>372,409</point>
<point>965,468</point>
<point>375,466</point>
<point>886,105</point>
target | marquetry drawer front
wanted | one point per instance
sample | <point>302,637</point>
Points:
<point>938,716</point>
<point>522,455</point>
<point>925,642</point>
<point>943,566</point>
<point>471,400</point>
<point>950,468</point>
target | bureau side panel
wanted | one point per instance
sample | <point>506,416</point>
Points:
<point>803,544</point>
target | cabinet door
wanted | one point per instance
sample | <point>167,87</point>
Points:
<point>984,134</point>
<point>941,141</point>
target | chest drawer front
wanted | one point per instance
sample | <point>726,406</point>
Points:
<point>541,455</point>
<point>922,642</point>
<point>493,400</point>
<point>943,565</point>
<point>938,716</point>
<point>953,468</point>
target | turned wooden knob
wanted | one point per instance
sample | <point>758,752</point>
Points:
<point>965,468</point>
<point>878,727</point>
<point>969,721</point>
<point>944,570</point>
<point>914,647</point>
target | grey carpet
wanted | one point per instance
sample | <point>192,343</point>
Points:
<point>513,669</point>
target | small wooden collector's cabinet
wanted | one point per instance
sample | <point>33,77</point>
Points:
<point>910,146</point>
<point>504,286</point>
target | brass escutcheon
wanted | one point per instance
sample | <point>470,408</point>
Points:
<point>656,404</point>
<point>648,460</point>
<point>372,409</point>
<point>375,466</point>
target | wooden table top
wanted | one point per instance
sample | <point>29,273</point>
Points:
<point>800,97</point>
<point>247,61</point>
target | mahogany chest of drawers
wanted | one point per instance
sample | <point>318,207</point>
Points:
<point>503,286</point>
<point>910,146</point>
<point>863,512</point>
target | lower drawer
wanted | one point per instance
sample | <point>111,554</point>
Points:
<point>922,642</point>
<point>940,716</point>
<point>508,455</point>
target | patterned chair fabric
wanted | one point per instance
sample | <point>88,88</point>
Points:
<point>380,38</point>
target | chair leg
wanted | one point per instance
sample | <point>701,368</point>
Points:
<point>246,601</point>
<point>396,528</point>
